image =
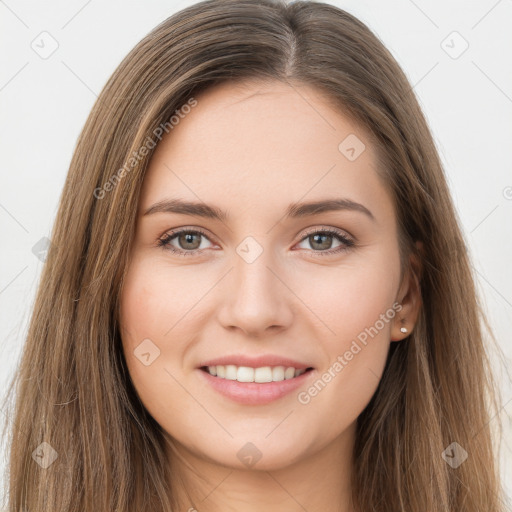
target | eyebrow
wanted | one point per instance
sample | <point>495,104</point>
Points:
<point>294,210</point>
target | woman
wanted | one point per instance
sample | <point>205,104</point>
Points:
<point>319,346</point>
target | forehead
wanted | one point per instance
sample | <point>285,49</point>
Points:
<point>252,145</point>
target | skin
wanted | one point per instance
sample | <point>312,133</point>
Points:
<point>252,149</point>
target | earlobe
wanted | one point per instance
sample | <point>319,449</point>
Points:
<point>402,326</point>
<point>409,297</point>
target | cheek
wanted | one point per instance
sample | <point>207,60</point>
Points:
<point>355,361</point>
<point>159,315</point>
<point>140,308</point>
<point>151,303</point>
<point>357,303</point>
<point>341,391</point>
<point>350,299</point>
<point>148,310</point>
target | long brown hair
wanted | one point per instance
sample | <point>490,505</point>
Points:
<point>73,390</point>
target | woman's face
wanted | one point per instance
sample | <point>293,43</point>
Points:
<point>256,285</point>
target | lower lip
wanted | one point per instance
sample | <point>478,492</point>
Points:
<point>255,393</point>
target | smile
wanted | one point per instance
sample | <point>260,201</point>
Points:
<point>254,386</point>
<point>259,375</point>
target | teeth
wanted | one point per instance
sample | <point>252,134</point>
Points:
<point>230,372</point>
<point>260,375</point>
<point>245,374</point>
<point>289,373</point>
<point>263,374</point>
<point>278,373</point>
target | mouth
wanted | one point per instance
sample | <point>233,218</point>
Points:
<point>255,386</point>
<point>259,375</point>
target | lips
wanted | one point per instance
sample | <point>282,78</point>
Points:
<point>274,377</point>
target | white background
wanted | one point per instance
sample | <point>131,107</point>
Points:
<point>45,102</point>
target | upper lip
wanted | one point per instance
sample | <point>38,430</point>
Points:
<point>256,361</point>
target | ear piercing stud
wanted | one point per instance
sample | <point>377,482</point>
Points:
<point>403,329</point>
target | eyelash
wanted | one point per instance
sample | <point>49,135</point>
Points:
<point>348,243</point>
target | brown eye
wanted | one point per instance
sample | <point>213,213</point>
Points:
<point>321,241</point>
<point>188,241</point>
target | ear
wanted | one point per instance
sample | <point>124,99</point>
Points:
<point>409,296</point>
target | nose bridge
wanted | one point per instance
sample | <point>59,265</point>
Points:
<point>256,299</point>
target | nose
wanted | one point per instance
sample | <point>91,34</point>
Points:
<point>256,298</point>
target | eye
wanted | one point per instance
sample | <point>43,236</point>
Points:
<point>321,241</point>
<point>188,240</point>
